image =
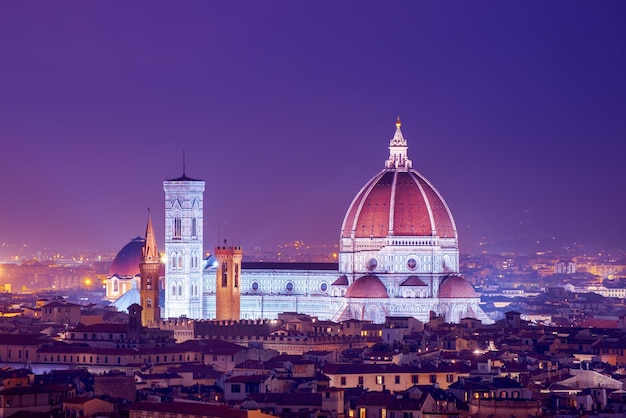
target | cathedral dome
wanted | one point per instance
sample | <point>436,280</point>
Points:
<point>126,262</point>
<point>368,286</point>
<point>456,287</point>
<point>398,202</point>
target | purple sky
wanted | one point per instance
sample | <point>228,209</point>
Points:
<point>515,111</point>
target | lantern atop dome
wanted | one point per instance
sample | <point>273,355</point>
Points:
<point>398,150</point>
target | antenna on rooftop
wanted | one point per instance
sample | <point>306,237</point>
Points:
<point>183,163</point>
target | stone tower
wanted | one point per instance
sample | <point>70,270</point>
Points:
<point>183,247</point>
<point>227,289</point>
<point>133,330</point>
<point>149,270</point>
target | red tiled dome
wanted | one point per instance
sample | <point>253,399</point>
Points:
<point>126,262</point>
<point>398,203</point>
<point>456,287</point>
<point>368,286</point>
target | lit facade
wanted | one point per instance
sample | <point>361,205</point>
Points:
<point>398,256</point>
<point>183,247</point>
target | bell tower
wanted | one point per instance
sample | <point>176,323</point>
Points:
<point>149,270</point>
<point>227,288</point>
<point>183,247</point>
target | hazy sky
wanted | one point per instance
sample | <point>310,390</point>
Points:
<point>514,110</point>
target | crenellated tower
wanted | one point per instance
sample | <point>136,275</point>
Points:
<point>227,288</point>
<point>183,247</point>
<point>149,270</point>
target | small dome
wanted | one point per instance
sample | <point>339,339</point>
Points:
<point>456,287</point>
<point>126,262</point>
<point>368,286</point>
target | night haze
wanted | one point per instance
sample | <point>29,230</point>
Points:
<point>513,111</point>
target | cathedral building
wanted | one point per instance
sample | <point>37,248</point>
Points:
<point>398,256</point>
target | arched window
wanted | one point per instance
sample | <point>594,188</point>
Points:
<point>149,302</point>
<point>236,275</point>
<point>180,290</point>
<point>178,228</point>
<point>116,286</point>
<point>224,274</point>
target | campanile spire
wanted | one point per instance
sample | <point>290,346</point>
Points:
<point>149,270</point>
<point>398,150</point>
<point>150,252</point>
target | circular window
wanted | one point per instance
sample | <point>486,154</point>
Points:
<point>289,286</point>
<point>255,286</point>
<point>324,287</point>
<point>412,263</point>
<point>371,264</point>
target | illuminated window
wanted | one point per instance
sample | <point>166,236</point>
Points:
<point>178,228</point>
<point>362,413</point>
<point>380,380</point>
<point>194,228</point>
